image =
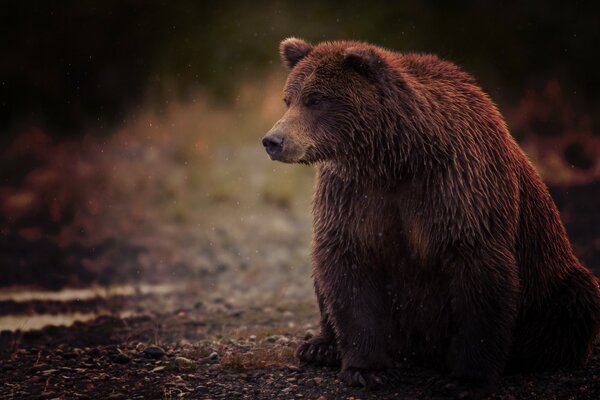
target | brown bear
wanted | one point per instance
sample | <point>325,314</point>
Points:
<point>435,239</point>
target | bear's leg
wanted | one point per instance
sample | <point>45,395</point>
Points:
<point>560,331</point>
<point>321,349</point>
<point>484,291</point>
<point>354,300</point>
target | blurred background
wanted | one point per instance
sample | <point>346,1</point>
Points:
<point>130,156</point>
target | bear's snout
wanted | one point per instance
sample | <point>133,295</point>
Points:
<point>273,143</point>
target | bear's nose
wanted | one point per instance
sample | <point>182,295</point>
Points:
<point>273,143</point>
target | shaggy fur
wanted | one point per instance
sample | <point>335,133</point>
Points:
<point>434,238</point>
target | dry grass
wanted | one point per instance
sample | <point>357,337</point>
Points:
<point>259,357</point>
<point>199,350</point>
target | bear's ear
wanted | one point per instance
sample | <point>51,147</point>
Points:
<point>293,50</point>
<point>365,61</point>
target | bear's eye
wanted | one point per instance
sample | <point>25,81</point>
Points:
<point>313,102</point>
<point>287,102</point>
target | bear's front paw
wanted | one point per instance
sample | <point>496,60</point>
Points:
<point>449,388</point>
<point>319,351</point>
<point>369,379</point>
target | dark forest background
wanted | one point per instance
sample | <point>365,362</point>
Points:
<point>71,65</point>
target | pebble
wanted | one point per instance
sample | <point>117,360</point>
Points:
<point>271,339</point>
<point>155,352</point>
<point>208,361</point>
<point>235,312</point>
<point>283,340</point>
<point>201,389</point>
<point>213,356</point>
<point>309,334</point>
<point>69,355</point>
<point>184,364</point>
<point>93,352</point>
<point>121,358</point>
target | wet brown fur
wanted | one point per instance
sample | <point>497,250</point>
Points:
<point>434,238</point>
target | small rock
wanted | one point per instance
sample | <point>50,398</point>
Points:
<point>69,355</point>
<point>213,356</point>
<point>271,339</point>
<point>37,367</point>
<point>283,340</point>
<point>201,389</point>
<point>208,361</point>
<point>236,312</point>
<point>184,364</point>
<point>121,358</point>
<point>309,334</point>
<point>93,352</point>
<point>158,369</point>
<point>139,347</point>
<point>252,338</point>
<point>317,380</point>
<point>155,352</point>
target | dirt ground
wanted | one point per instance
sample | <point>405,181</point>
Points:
<point>216,351</point>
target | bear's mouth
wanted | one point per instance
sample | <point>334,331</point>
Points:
<point>292,156</point>
<point>308,157</point>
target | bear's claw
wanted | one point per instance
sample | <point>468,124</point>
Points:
<point>319,351</point>
<point>369,379</point>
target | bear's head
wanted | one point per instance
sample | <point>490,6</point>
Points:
<point>336,104</point>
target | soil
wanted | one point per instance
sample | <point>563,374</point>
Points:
<point>233,354</point>
<point>242,302</point>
